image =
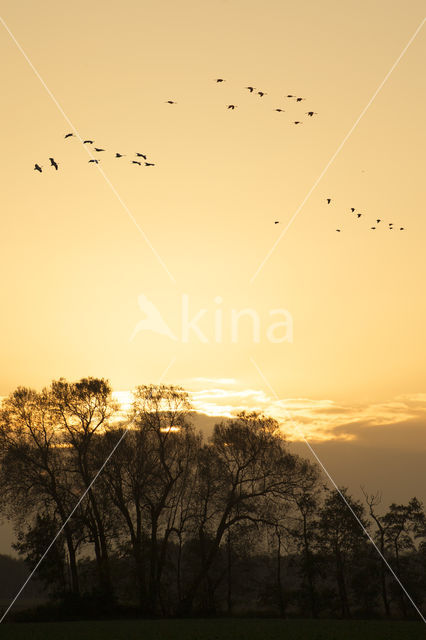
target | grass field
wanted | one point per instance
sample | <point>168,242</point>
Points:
<point>219,629</point>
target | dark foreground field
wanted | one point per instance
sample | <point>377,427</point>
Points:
<point>222,629</point>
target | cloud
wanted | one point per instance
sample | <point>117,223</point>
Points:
<point>399,423</point>
<point>323,419</point>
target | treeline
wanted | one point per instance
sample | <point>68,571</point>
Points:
<point>174,524</point>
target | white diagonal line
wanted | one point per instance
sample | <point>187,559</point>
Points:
<point>98,473</point>
<point>102,172</point>
<point>335,154</point>
<point>314,453</point>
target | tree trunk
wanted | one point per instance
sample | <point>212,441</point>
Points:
<point>383,575</point>
<point>229,572</point>
<point>75,588</point>
<point>309,571</point>
<point>341,583</point>
<point>281,602</point>
<point>398,567</point>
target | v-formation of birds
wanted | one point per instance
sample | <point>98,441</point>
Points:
<point>378,222</point>
<point>141,158</point>
<point>256,92</point>
<point>138,161</point>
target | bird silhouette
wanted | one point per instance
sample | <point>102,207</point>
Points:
<point>141,155</point>
<point>87,141</point>
<point>358,215</point>
<point>251,89</point>
<point>37,168</point>
<point>119,155</point>
<point>297,122</point>
<point>170,102</point>
<point>149,164</point>
<point>231,106</point>
<point>402,228</point>
<point>137,162</point>
<point>53,163</point>
<point>68,135</point>
<point>261,93</point>
<point>95,161</point>
<point>290,96</point>
<point>98,149</point>
<point>277,222</point>
<point>338,230</point>
<point>379,220</point>
<point>153,320</point>
<point>372,228</point>
<point>220,80</point>
<point>300,99</point>
<point>328,200</point>
<point>311,113</point>
<point>353,209</point>
<point>280,110</point>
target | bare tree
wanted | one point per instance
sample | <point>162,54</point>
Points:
<point>34,470</point>
<point>82,411</point>
<point>372,502</point>
<point>401,523</point>
<point>245,463</point>
<point>148,480</point>
<point>341,537</point>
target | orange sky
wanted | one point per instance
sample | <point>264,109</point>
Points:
<point>74,263</point>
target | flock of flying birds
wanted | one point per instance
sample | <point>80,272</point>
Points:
<point>389,225</point>
<point>261,94</point>
<point>143,160</point>
<point>142,157</point>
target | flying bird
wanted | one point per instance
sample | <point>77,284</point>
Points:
<point>141,155</point>
<point>137,162</point>
<point>170,102</point>
<point>87,141</point>
<point>297,122</point>
<point>277,222</point>
<point>95,161</point>
<point>53,163</point>
<point>37,168</point>
<point>300,99</point>
<point>149,164</point>
<point>251,89</point>
<point>98,149</point>
<point>220,80</point>
<point>372,228</point>
<point>378,221</point>
<point>353,209</point>
<point>328,200</point>
<point>358,215</point>
<point>231,106</point>
<point>280,110</point>
<point>261,93</point>
<point>311,113</point>
<point>402,228</point>
<point>338,230</point>
<point>119,155</point>
<point>68,135</point>
<point>290,96</point>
